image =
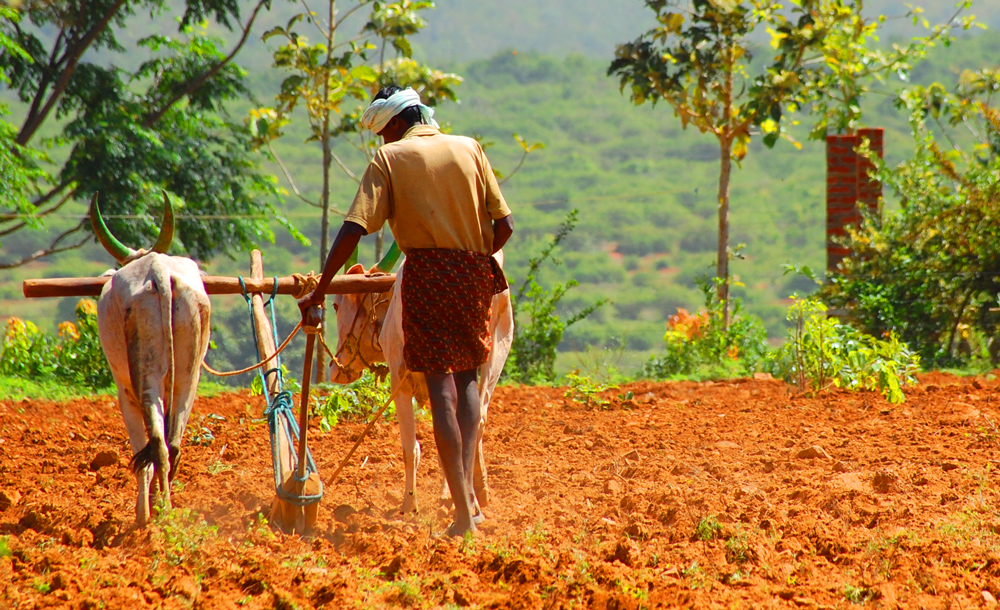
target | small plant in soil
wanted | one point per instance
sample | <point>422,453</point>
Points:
<point>4,549</point>
<point>182,533</point>
<point>41,586</point>
<point>536,535</point>
<point>708,529</point>
<point>738,549</point>
<point>859,594</point>
<point>218,467</point>
<point>585,391</point>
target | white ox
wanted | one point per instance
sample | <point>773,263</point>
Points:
<point>370,331</point>
<point>153,322</point>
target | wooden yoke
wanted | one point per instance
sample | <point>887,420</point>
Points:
<point>214,284</point>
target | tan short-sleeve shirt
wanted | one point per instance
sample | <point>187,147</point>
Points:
<point>436,191</point>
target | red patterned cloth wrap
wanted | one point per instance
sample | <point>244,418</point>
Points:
<point>446,296</point>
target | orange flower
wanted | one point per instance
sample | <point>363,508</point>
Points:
<point>734,352</point>
<point>68,329</point>
<point>86,307</point>
<point>683,323</point>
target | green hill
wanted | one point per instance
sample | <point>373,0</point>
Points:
<point>645,188</point>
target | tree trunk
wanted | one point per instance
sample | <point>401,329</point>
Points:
<point>320,373</point>
<point>722,269</point>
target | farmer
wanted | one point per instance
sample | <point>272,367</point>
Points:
<point>445,210</point>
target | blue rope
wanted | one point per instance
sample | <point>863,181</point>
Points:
<point>280,411</point>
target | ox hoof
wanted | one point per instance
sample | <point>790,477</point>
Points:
<point>409,505</point>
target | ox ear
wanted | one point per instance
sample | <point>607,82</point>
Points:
<point>355,269</point>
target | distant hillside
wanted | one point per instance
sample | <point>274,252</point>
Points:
<point>645,188</point>
<point>460,30</point>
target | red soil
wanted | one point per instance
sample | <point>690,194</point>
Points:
<point>819,501</point>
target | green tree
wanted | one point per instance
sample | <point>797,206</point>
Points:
<point>929,270</point>
<point>853,60</point>
<point>699,59</point>
<point>325,75</point>
<point>129,133</point>
<point>18,164</point>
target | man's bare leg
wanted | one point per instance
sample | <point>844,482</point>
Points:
<point>468,422</point>
<point>456,429</point>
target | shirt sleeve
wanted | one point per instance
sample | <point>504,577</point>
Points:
<point>496,205</point>
<point>372,204</point>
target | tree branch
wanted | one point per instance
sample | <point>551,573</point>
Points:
<point>346,169</point>
<point>515,170</point>
<point>52,249</point>
<point>288,176</point>
<point>198,82</point>
<point>22,224</point>
<point>32,123</point>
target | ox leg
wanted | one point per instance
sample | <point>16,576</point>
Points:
<point>137,439</point>
<point>411,450</point>
<point>480,484</point>
<point>191,313</point>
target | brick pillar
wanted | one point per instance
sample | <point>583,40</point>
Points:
<point>841,194</point>
<point>869,189</point>
<point>848,187</point>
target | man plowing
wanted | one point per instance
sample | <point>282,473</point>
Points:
<point>445,210</point>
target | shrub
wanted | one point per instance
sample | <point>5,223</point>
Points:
<point>538,329</point>
<point>73,356</point>
<point>822,352</point>
<point>927,271</point>
<point>353,401</point>
<point>700,345</point>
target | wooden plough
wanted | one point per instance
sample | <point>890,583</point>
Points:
<point>298,488</point>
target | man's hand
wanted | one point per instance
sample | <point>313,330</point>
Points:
<point>310,300</point>
<point>343,246</point>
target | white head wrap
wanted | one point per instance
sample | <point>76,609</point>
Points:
<point>380,112</point>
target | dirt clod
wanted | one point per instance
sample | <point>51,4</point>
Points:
<point>102,459</point>
<point>810,453</point>
<point>8,498</point>
<point>884,481</point>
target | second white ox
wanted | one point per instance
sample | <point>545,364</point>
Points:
<point>370,331</point>
<point>153,322</point>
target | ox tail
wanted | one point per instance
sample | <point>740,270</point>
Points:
<point>143,348</point>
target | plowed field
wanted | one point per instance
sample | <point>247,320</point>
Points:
<point>740,494</point>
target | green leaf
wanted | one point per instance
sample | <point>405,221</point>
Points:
<point>364,73</point>
<point>274,32</point>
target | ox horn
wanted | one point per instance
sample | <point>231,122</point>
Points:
<point>389,260</point>
<point>166,228</point>
<point>114,247</point>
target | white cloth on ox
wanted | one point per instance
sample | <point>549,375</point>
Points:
<point>380,112</point>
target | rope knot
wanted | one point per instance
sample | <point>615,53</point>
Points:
<point>305,284</point>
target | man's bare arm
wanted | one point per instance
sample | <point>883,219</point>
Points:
<point>502,230</point>
<point>343,246</point>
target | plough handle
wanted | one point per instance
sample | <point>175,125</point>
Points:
<point>311,325</point>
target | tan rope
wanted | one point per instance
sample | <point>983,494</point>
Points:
<point>256,366</point>
<point>306,284</point>
<point>368,428</point>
